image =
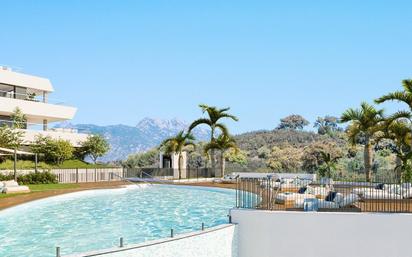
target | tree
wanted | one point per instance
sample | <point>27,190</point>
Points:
<point>95,146</point>
<point>53,150</point>
<point>215,115</point>
<point>222,143</point>
<point>177,145</point>
<point>62,151</point>
<point>365,122</point>
<point>313,158</point>
<point>18,118</point>
<point>400,132</point>
<point>294,122</point>
<point>327,125</point>
<point>13,139</point>
<point>10,138</point>
<point>140,160</point>
<point>404,96</point>
<point>328,165</point>
<point>285,159</point>
<point>236,156</point>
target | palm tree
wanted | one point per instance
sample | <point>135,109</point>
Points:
<point>399,132</point>
<point>222,143</point>
<point>396,127</point>
<point>215,115</point>
<point>178,144</point>
<point>404,96</point>
<point>328,165</point>
<point>366,123</point>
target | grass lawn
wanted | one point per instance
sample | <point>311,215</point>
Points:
<point>69,164</point>
<point>41,188</point>
<point>45,187</point>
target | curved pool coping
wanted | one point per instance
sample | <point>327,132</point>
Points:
<point>86,192</point>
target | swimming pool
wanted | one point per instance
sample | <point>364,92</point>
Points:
<point>93,220</point>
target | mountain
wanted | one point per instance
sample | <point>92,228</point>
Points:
<point>148,133</point>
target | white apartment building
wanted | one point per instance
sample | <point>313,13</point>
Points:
<point>31,95</point>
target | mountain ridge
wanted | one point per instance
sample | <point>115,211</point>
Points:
<point>146,134</point>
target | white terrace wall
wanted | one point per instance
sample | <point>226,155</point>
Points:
<point>220,241</point>
<point>292,234</point>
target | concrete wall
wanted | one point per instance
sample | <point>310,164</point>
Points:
<point>293,234</point>
<point>220,241</point>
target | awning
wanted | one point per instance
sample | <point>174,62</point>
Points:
<point>11,151</point>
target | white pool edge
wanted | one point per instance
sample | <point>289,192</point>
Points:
<point>131,247</point>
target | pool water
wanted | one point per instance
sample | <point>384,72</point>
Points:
<point>94,220</point>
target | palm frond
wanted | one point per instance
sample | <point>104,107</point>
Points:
<point>222,128</point>
<point>407,85</point>
<point>226,115</point>
<point>199,122</point>
<point>351,115</point>
<point>398,96</point>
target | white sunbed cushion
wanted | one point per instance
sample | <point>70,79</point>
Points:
<point>380,195</point>
<point>322,191</point>
<point>406,192</point>
<point>293,196</point>
<point>349,200</point>
<point>394,189</point>
<point>366,190</point>
<point>406,185</point>
<point>10,183</point>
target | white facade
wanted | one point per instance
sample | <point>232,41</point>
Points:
<point>321,234</point>
<point>172,161</point>
<point>31,95</point>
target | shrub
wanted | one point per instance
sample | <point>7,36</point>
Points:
<point>53,150</point>
<point>38,178</point>
<point>32,178</point>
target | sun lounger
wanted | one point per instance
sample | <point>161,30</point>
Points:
<point>229,178</point>
<point>283,197</point>
<point>385,192</point>
<point>319,192</point>
<point>338,201</point>
<point>12,187</point>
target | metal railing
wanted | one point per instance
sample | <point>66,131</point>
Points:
<point>84,175</point>
<point>277,194</point>
<point>36,126</point>
<point>172,174</point>
<point>32,97</point>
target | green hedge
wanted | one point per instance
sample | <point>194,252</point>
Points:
<point>32,178</point>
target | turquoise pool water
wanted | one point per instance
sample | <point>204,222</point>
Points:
<point>94,220</point>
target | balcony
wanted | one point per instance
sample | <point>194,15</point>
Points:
<point>34,109</point>
<point>32,130</point>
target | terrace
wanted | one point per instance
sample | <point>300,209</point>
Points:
<point>299,193</point>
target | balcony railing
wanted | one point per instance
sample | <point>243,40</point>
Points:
<point>37,126</point>
<point>32,97</point>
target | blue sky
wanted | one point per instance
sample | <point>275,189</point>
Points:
<point>120,61</point>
